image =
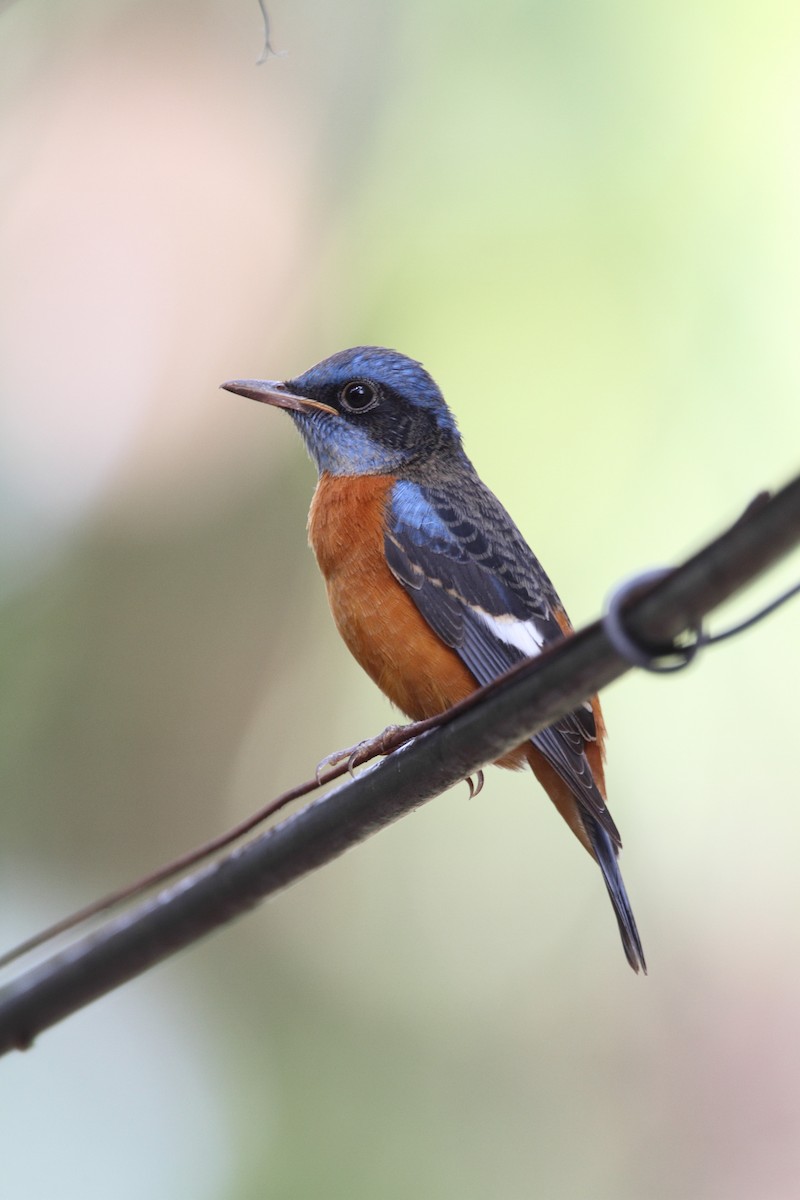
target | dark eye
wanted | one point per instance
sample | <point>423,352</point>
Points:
<point>359,396</point>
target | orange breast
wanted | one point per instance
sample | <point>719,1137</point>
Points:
<point>377,619</point>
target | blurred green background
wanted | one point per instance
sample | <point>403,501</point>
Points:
<point>582,216</point>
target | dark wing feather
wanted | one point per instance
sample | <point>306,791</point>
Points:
<point>457,567</point>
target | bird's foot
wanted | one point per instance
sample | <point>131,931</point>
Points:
<point>392,737</point>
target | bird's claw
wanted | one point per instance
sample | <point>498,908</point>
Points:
<point>476,787</point>
<point>362,752</point>
<point>333,760</point>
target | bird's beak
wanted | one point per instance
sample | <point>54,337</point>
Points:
<point>269,391</point>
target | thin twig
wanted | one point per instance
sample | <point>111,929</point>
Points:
<point>514,708</point>
<point>267,52</point>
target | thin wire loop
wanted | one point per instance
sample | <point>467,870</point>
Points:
<point>662,660</point>
<point>659,659</point>
<point>754,619</point>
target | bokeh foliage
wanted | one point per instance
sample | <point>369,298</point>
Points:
<point>582,217</point>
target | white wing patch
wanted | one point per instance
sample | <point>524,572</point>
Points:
<point>524,635</point>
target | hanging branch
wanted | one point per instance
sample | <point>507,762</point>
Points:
<point>510,710</point>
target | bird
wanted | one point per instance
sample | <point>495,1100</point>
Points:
<point>432,586</point>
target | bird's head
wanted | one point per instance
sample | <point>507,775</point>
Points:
<point>365,411</point>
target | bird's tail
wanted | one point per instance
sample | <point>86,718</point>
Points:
<point>605,852</point>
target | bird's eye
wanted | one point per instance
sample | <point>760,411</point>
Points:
<point>359,396</point>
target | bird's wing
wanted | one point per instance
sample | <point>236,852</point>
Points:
<point>477,583</point>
